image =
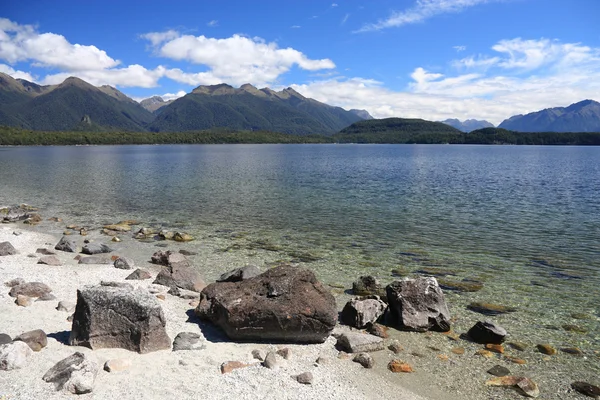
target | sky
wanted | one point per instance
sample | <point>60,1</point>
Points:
<point>430,59</point>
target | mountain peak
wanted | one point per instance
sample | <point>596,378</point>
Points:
<point>74,81</point>
<point>220,89</point>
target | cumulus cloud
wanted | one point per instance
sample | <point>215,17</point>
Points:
<point>422,10</point>
<point>236,60</point>
<point>157,38</point>
<point>6,69</point>
<point>526,76</point>
<point>131,76</point>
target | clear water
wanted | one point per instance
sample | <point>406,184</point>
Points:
<point>524,221</point>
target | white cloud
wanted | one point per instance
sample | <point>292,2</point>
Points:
<point>422,10</point>
<point>334,4</point>
<point>131,76</point>
<point>16,74</point>
<point>165,97</point>
<point>345,19</point>
<point>213,23</point>
<point>295,27</point>
<point>157,38</point>
<point>459,48</point>
<point>235,60</point>
<point>519,80</point>
<point>23,43</point>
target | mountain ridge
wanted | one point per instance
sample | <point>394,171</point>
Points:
<point>583,116</point>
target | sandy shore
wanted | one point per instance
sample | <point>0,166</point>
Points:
<point>164,374</point>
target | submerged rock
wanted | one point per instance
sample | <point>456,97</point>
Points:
<point>367,286</point>
<point>460,286</point>
<point>284,303</point>
<point>487,332</point>
<point>418,304</point>
<point>546,349</point>
<point>490,309</point>
<point>587,389</point>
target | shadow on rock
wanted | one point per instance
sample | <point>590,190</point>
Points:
<point>211,332</point>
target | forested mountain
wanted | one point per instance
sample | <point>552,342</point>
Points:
<point>583,116</point>
<point>468,125</point>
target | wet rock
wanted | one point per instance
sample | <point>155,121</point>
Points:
<point>229,366</point>
<point>30,289</point>
<point>66,306</point>
<point>50,260</point>
<point>187,252</point>
<point>528,387</point>
<point>458,350</point>
<point>418,304</point>
<point>240,274</point>
<point>23,301</point>
<point>546,349</point>
<point>586,389</point>
<point>139,274</point>
<point>361,311</point>
<point>498,370</point>
<point>574,351</point>
<point>75,374</point>
<point>583,316</point>
<point>124,263</point>
<point>366,286</point>
<point>496,348</point>
<point>95,248</point>
<point>490,309</point>
<point>395,347</point>
<point>515,360</point>
<point>4,338</point>
<point>460,286</point>
<point>357,342</point>
<point>67,244</point>
<point>574,328</point>
<point>14,355</point>
<point>36,339</point>
<point>117,365</point>
<point>182,237</point>
<point>97,259</point>
<point>271,361</point>
<point>364,359</point>
<point>397,366</point>
<point>14,282</point>
<point>107,317</point>
<point>305,378</point>
<point>7,249</point>
<point>487,332</point>
<point>188,341</point>
<point>520,346</point>
<point>484,353</point>
<point>284,303</point>
<point>435,271</point>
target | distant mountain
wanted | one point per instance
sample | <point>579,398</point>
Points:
<point>468,125</point>
<point>63,107</point>
<point>398,130</point>
<point>364,114</point>
<point>154,103</point>
<point>579,117</point>
<point>249,108</point>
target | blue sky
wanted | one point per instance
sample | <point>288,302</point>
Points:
<point>432,59</point>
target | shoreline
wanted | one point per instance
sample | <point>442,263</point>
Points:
<point>439,372</point>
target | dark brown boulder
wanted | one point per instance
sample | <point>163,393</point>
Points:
<point>107,317</point>
<point>418,304</point>
<point>283,304</point>
<point>178,272</point>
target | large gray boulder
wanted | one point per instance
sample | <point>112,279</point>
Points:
<point>14,355</point>
<point>178,272</point>
<point>418,304</point>
<point>107,317</point>
<point>7,249</point>
<point>359,342</point>
<point>75,374</point>
<point>283,304</point>
<point>361,311</point>
<point>67,244</point>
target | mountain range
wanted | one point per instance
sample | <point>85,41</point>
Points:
<point>583,116</point>
<point>468,125</point>
<point>77,105</point>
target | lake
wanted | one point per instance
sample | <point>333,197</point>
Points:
<point>523,223</point>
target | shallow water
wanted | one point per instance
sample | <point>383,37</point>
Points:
<point>523,221</point>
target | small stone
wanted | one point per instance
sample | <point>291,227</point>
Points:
<point>458,350</point>
<point>50,260</point>
<point>83,232</point>
<point>182,237</point>
<point>271,361</point>
<point>118,227</point>
<point>364,359</point>
<point>529,387</point>
<point>496,348</point>
<point>443,357</point>
<point>188,341</point>
<point>573,351</point>
<point>66,306</point>
<point>356,342</point>
<point>139,274</point>
<point>378,330</point>
<point>305,378</point>
<point>546,349</point>
<point>124,263</point>
<point>115,239</point>
<point>574,328</point>
<point>286,353</point>
<point>322,360</point>
<point>515,360</point>
<point>520,346</point>
<point>498,370</point>
<point>581,316</point>
<point>258,355</point>
<point>229,366</point>
<point>399,366</point>
<point>4,338</point>
<point>487,332</point>
<point>45,252</point>
<point>161,296</point>
<point>395,347</point>
<point>14,355</point>
<point>484,353</point>
<point>23,301</point>
<point>95,248</point>
<point>586,389</point>
<point>7,249</point>
<point>14,282</point>
<point>36,339</point>
<point>490,309</point>
<point>117,365</point>
<point>66,244</point>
